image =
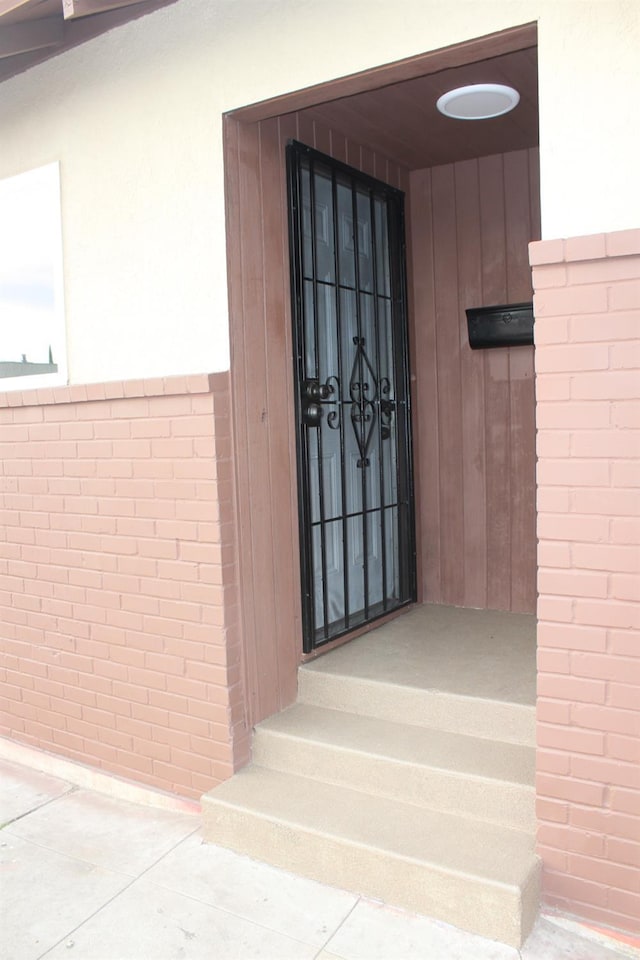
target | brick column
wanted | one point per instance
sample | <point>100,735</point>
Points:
<point>587,299</point>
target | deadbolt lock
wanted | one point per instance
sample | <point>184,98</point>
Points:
<point>314,390</point>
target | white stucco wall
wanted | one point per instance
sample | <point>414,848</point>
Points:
<point>134,117</point>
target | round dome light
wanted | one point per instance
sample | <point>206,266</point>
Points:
<point>479,101</point>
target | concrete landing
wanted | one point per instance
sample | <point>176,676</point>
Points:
<point>473,653</point>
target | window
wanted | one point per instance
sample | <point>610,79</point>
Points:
<point>32,340</point>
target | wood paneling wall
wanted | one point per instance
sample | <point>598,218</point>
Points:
<point>262,390</point>
<point>474,420</point>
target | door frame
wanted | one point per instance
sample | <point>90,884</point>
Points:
<point>262,404</point>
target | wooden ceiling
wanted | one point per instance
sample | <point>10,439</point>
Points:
<point>401,120</point>
<point>35,30</point>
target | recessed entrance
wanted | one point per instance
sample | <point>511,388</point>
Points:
<point>471,196</point>
<point>352,395</point>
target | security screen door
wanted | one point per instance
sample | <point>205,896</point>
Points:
<point>351,370</point>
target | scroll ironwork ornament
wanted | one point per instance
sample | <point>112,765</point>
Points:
<point>364,394</point>
<point>333,419</point>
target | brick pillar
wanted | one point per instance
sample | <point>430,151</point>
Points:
<point>587,298</point>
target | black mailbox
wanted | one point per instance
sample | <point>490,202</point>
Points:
<point>509,325</point>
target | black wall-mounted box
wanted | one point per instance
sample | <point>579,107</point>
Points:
<point>509,325</point>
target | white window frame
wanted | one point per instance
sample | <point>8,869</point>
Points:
<point>35,196</point>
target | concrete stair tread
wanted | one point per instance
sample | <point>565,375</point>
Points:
<point>452,844</point>
<point>481,717</point>
<point>402,684</point>
<point>405,743</point>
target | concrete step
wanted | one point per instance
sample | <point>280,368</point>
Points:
<point>404,772</point>
<point>323,684</point>
<point>417,765</point>
<point>476,875</point>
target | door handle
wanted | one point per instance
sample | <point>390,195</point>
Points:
<point>312,393</point>
<point>387,409</point>
<point>312,414</point>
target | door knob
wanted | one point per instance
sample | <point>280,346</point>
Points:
<point>312,414</point>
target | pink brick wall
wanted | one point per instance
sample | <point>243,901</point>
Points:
<point>587,307</point>
<point>118,594</point>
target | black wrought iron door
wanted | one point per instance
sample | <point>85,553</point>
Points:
<point>351,369</point>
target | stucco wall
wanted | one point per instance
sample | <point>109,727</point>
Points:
<point>134,118</point>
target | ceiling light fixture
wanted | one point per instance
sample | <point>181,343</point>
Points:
<point>479,101</point>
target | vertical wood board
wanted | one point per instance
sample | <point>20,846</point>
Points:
<point>471,223</point>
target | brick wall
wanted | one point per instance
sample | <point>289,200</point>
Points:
<point>118,596</point>
<point>587,307</point>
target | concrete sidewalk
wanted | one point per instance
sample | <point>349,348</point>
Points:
<point>87,876</point>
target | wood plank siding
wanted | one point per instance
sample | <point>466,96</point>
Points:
<point>473,410</point>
